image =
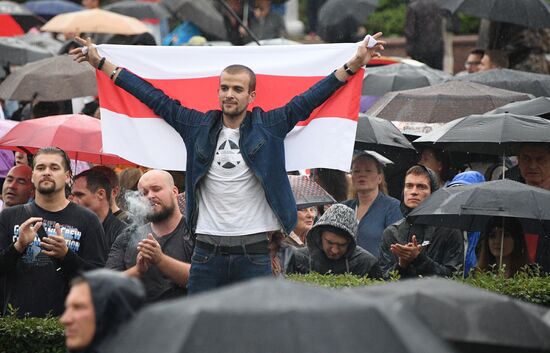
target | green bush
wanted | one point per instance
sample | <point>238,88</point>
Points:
<point>31,335</point>
<point>390,21</point>
<point>528,285</point>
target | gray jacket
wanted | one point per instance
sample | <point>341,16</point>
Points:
<point>313,259</point>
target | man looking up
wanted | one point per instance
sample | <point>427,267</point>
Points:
<point>237,189</point>
<point>419,250</point>
<point>18,187</point>
<point>45,243</point>
<point>158,252</point>
<point>92,189</point>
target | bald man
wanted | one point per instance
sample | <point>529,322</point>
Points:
<point>158,252</point>
<point>18,187</point>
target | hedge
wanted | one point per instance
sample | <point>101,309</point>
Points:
<point>45,335</point>
<point>527,285</point>
<point>31,335</point>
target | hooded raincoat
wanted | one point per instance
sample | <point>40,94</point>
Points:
<point>116,298</point>
<point>313,259</point>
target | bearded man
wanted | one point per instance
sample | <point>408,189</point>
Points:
<point>158,252</point>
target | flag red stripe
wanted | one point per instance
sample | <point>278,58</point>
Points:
<point>201,94</point>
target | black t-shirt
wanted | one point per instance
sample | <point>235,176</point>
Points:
<point>113,227</point>
<point>177,245</point>
<point>34,282</point>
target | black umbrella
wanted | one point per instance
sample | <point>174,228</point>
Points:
<point>339,19</point>
<point>474,320</point>
<point>469,207</point>
<point>513,80</point>
<point>202,14</point>
<point>528,13</point>
<point>137,9</point>
<point>35,80</point>
<point>535,107</point>
<point>443,102</point>
<point>308,193</point>
<point>382,136</point>
<point>397,77</point>
<point>497,134</point>
<point>16,51</point>
<point>268,315</point>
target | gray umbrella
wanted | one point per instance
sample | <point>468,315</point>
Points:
<point>42,41</point>
<point>528,13</point>
<point>497,134</point>
<point>469,207</point>
<point>15,51</point>
<point>475,320</point>
<point>140,10</point>
<point>538,107</point>
<point>520,81</point>
<point>13,8</point>
<point>397,77</point>
<point>382,136</point>
<point>52,79</point>
<point>268,315</point>
<point>308,193</point>
<point>202,14</point>
<point>442,102</point>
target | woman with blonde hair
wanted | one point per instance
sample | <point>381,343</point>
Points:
<point>374,209</point>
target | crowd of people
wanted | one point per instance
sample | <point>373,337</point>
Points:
<point>95,247</point>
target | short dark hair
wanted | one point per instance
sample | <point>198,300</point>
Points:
<point>424,171</point>
<point>477,51</point>
<point>96,180</point>
<point>54,150</point>
<point>499,58</point>
<point>109,173</point>
<point>237,69</point>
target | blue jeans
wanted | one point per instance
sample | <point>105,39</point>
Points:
<point>210,270</point>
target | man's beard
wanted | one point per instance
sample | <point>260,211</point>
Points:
<point>46,190</point>
<point>162,215</point>
<point>233,114</point>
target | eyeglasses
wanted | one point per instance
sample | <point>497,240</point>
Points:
<point>472,63</point>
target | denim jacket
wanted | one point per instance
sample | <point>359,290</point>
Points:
<point>261,141</point>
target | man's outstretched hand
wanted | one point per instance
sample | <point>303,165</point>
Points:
<point>87,52</point>
<point>362,57</point>
<point>365,54</point>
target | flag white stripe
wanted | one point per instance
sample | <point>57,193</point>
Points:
<point>151,142</point>
<point>163,62</point>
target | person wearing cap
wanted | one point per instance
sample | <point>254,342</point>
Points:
<point>470,238</point>
<point>99,303</point>
<point>332,247</point>
<point>420,250</point>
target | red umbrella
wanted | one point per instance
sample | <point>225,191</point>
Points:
<point>78,135</point>
<point>10,27</point>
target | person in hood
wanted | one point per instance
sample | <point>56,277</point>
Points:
<point>471,238</point>
<point>420,250</point>
<point>332,247</point>
<point>98,304</point>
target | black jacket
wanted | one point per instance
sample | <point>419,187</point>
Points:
<point>312,259</point>
<point>442,256</point>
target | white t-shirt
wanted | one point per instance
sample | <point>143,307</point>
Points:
<point>231,199</point>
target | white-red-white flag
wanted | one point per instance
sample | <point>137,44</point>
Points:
<point>191,75</point>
